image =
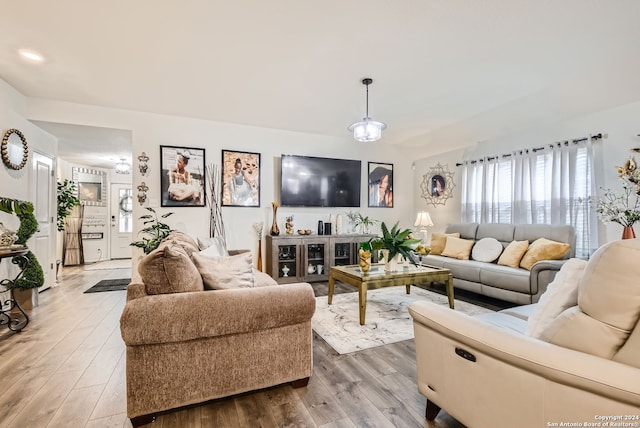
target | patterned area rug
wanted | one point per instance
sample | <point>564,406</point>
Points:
<point>387,317</point>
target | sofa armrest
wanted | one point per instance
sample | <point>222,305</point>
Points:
<point>541,275</point>
<point>601,376</point>
<point>179,317</point>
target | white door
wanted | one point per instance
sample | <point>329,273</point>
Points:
<point>121,221</point>
<point>42,243</point>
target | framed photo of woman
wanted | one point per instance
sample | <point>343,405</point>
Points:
<point>380,185</point>
<point>240,179</point>
<point>182,176</point>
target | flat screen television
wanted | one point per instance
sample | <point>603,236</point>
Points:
<point>307,181</point>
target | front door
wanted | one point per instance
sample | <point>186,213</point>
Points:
<point>42,243</point>
<point>121,221</point>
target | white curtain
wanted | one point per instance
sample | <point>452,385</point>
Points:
<point>551,185</point>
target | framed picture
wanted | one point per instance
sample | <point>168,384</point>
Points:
<point>437,185</point>
<point>89,192</point>
<point>183,176</point>
<point>380,185</point>
<point>240,179</point>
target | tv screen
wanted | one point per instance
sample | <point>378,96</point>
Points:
<point>319,182</point>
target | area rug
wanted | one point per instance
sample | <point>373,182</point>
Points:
<point>387,317</point>
<point>109,264</point>
<point>110,285</point>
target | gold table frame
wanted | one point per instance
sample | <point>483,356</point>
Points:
<point>377,277</point>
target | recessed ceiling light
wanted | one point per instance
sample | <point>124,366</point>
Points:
<point>31,55</point>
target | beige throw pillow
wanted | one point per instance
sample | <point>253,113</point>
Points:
<point>458,248</point>
<point>225,272</point>
<point>439,240</point>
<point>169,269</point>
<point>543,249</point>
<point>512,255</point>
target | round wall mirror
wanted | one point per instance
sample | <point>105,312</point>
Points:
<point>15,150</point>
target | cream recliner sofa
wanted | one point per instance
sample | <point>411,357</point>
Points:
<point>486,372</point>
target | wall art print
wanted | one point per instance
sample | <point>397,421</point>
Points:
<point>380,184</point>
<point>437,185</point>
<point>240,179</point>
<point>182,176</point>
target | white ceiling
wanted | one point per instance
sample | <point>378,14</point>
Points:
<point>440,67</point>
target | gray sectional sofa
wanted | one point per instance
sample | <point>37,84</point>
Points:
<point>515,285</point>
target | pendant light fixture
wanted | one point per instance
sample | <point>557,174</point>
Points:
<point>123,167</point>
<point>367,129</point>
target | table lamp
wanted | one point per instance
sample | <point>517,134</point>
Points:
<point>422,221</point>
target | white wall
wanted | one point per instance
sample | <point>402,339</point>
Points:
<point>618,124</point>
<point>150,131</point>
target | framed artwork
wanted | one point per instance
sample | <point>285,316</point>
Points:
<point>89,192</point>
<point>380,184</point>
<point>437,185</point>
<point>182,176</point>
<point>91,185</point>
<point>240,179</point>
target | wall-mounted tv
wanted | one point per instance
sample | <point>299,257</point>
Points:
<point>319,182</point>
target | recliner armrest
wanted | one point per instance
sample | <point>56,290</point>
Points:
<point>178,317</point>
<point>562,365</point>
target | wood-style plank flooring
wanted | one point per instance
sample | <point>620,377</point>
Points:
<point>67,369</point>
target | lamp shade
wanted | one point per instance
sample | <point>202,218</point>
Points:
<point>367,130</point>
<point>423,220</point>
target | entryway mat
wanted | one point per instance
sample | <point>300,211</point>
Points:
<point>110,285</point>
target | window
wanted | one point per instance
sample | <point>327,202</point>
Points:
<point>551,185</point>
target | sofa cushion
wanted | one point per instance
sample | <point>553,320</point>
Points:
<point>512,255</point>
<point>439,240</point>
<point>559,233</point>
<point>182,239</point>
<point>562,293</point>
<point>225,272</point>
<point>262,279</point>
<point>505,277</point>
<point>487,250</point>
<point>465,230</point>
<point>501,232</point>
<point>168,269</point>
<point>467,270</point>
<point>608,305</point>
<point>457,248</point>
<point>214,245</point>
<point>543,249</point>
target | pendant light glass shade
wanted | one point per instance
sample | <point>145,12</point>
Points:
<point>123,167</point>
<point>367,130</point>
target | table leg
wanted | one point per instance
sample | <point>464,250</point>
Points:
<point>362,300</point>
<point>450,290</point>
<point>332,284</point>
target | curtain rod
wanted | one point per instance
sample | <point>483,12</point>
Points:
<point>535,149</point>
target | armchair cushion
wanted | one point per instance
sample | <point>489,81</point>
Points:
<point>562,293</point>
<point>225,272</point>
<point>168,269</point>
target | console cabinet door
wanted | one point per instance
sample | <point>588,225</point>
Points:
<point>285,259</point>
<point>316,259</point>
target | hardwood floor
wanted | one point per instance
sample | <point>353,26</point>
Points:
<point>67,369</point>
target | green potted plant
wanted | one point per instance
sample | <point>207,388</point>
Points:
<point>156,231</point>
<point>395,242</point>
<point>33,275</point>
<point>67,200</point>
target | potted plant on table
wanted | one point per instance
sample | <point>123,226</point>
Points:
<point>395,243</point>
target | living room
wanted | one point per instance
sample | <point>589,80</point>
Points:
<point>599,96</point>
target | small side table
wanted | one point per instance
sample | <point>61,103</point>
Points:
<point>18,257</point>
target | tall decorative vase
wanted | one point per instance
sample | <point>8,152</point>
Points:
<point>628,233</point>
<point>260,255</point>
<point>274,227</point>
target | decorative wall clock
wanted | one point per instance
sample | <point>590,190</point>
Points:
<point>437,185</point>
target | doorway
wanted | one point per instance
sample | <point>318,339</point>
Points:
<point>121,210</point>
<point>43,191</point>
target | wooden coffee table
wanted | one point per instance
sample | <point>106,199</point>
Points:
<point>378,278</point>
